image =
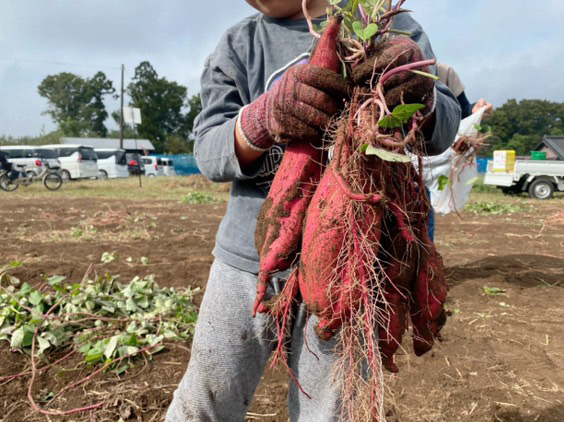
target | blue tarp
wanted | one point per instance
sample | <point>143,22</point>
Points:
<point>482,164</point>
<point>184,164</point>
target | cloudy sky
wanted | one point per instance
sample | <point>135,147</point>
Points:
<point>501,48</point>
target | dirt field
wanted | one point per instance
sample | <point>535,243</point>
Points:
<point>502,358</point>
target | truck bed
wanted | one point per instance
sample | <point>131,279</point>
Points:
<point>551,168</point>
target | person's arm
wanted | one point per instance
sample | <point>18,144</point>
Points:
<point>465,105</point>
<point>442,126</point>
<point>219,151</point>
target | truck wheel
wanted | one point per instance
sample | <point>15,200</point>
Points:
<point>541,189</point>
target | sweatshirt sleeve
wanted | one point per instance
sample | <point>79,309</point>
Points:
<point>447,109</point>
<point>223,91</point>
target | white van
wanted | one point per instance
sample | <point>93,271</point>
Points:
<point>168,167</point>
<point>112,163</point>
<point>153,166</point>
<point>34,158</point>
<point>77,161</point>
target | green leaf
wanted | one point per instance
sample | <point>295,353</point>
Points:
<point>43,344</point>
<point>370,31</point>
<point>96,353</point>
<point>493,291</point>
<point>22,337</point>
<point>120,370</point>
<point>387,155</point>
<point>35,297</point>
<point>111,347</point>
<point>84,349</point>
<point>55,280</point>
<point>404,112</point>
<point>17,339</point>
<point>16,264</point>
<point>108,257</point>
<point>358,29</point>
<point>443,182</point>
<point>25,289</point>
<point>144,260</point>
<point>390,122</point>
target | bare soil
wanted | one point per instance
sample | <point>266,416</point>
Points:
<point>502,358</point>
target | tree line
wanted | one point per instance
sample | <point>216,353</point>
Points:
<point>76,106</point>
<point>521,125</point>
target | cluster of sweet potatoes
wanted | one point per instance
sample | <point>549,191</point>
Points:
<point>355,232</point>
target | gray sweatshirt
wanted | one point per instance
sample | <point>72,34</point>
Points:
<point>250,56</point>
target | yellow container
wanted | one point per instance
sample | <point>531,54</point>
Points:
<point>504,161</point>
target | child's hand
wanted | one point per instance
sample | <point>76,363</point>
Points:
<point>405,87</point>
<point>297,108</point>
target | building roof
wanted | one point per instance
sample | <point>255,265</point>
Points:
<point>555,143</point>
<point>128,144</point>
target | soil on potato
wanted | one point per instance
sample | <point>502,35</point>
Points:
<point>502,358</point>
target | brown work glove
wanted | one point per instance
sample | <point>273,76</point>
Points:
<point>402,88</point>
<point>297,108</point>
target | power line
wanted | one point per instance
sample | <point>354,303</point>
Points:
<point>15,59</point>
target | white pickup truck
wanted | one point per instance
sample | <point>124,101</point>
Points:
<point>540,178</point>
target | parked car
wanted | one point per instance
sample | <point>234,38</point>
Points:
<point>77,161</point>
<point>112,163</point>
<point>134,164</point>
<point>34,158</point>
<point>168,167</point>
<point>153,166</point>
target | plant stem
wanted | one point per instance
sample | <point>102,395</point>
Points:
<point>308,19</point>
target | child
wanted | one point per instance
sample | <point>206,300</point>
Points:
<point>258,93</point>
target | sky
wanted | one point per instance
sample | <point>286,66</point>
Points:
<point>501,49</point>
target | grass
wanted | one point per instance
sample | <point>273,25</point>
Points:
<point>164,188</point>
<point>493,208</point>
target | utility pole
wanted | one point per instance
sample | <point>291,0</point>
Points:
<point>121,111</point>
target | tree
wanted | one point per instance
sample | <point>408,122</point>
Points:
<point>76,104</point>
<point>195,107</point>
<point>520,125</point>
<point>183,143</point>
<point>162,103</point>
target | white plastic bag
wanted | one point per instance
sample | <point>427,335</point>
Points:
<point>460,169</point>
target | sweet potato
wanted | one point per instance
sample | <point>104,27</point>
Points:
<point>332,287</point>
<point>280,220</point>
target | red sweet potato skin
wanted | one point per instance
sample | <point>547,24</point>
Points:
<point>400,252</point>
<point>323,240</point>
<point>429,292</point>
<point>280,220</point>
<point>337,226</point>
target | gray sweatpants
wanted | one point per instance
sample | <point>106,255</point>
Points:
<point>230,352</point>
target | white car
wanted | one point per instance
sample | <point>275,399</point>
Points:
<point>34,158</point>
<point>168,167</point>
<point>77,161</point>
<point>153,166</point>
<point>112,163</point>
